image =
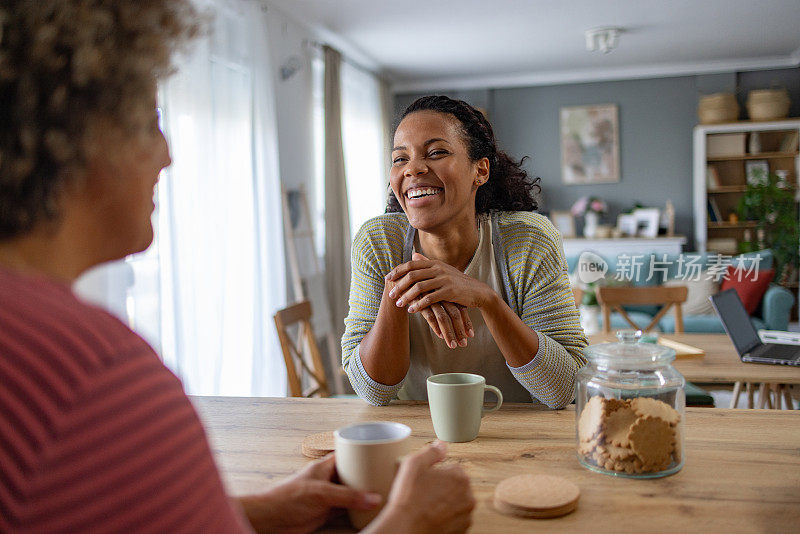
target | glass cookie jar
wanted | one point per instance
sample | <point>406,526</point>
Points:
<point>630,409</point>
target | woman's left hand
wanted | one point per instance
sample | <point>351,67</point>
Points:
<point>421,282</point>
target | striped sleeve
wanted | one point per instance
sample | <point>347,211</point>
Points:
<point>130,455</point>
<point>538,274</point>
<point>96,435</point>
<point>377,248</point>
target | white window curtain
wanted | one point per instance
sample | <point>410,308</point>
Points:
<point>205,292</point>
<point>363,136</point>
<point>225,252</point>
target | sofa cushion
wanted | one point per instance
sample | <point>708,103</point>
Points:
<point>762,258</point>
<point>750,285</point>
<point>697,302</point>
<point>690,264</point>
<point>700,324</point>
<point>685,265</point>
<point>625,269</point>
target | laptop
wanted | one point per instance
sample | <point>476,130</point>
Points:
<point>744,335</point>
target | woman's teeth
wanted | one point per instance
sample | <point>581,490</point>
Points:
<point>416,193</point>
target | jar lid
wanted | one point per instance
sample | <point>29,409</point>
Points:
<point>629,352</point>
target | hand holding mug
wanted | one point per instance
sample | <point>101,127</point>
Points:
<point>427,497</point>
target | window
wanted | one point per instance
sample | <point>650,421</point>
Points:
<point>203,294</point>
<point>363,142</point>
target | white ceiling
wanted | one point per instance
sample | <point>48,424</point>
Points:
<point>452,44</point>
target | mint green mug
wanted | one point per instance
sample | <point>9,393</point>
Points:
<point>456,402</point>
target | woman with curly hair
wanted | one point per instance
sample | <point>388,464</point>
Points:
<point>96,435</point>
<point>460,274</point>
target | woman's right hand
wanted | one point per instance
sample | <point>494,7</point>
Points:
<point>449,322</point>
<point>427,498</point>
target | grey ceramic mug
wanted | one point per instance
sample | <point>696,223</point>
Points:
<point>456,402</point>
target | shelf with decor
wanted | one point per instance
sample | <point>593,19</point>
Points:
<point>760,155</point>
<point>728,157</point>
<point>735,189</point>
<point>723,224</point>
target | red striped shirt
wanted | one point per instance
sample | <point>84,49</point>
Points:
<point>96,435</point>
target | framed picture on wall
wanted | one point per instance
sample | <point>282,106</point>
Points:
<point>564,222</point>
<point>589,144</point>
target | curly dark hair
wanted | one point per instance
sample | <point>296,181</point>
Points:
<point>508,187</point>
<point>64,66</point>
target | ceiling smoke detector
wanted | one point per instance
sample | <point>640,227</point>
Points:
<point>602,39</point>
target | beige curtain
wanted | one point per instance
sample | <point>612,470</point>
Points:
<point>387,116</point>
<point>337,218</point>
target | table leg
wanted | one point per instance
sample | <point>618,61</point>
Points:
<point>775,391</point>
<point>787,397</point>
<point>737,389</point>
<point>762,396</point>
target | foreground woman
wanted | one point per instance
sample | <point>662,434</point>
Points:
<point>461,275</point>
<point>96,435</point>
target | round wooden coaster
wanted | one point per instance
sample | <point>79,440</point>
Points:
<point>318,445</point>
<point>537,496</point>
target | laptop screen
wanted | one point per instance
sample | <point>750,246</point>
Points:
<point>736,320</point>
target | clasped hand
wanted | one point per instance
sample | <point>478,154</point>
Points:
<point>441,293</point>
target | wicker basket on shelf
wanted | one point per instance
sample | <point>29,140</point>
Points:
<point>768,104</point>
<point>717,108</point>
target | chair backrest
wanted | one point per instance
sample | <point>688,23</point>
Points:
<point>300,352</point>
<point>614,298</point>
<point>577,294</point>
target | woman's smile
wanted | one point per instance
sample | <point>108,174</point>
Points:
<point>432,175</point>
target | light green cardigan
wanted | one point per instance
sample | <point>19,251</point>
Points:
<point>531,262</point>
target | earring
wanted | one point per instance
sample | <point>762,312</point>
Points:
<point>478,182</point>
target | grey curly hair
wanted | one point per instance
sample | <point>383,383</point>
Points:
<point>64,64</point>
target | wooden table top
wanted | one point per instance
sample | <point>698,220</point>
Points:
<point>742,471</point>
<point>721,363</point>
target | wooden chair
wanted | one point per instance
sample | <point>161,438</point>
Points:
<point>299,350</point>
<point>614,298</point>
<point>577,294</point>
<point>770,396</point>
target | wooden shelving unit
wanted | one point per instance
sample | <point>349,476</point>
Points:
<point>760,155</point>
<point>730,170</point>
<point>745,224</point>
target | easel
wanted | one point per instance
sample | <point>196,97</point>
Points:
<point>308,276</point>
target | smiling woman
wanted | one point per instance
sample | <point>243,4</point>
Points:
<point>460,274</point>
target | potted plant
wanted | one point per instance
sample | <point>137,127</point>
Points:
<point>590,208</point>
<point>769,203</point>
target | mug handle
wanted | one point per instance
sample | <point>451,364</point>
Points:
<point>499,396</point>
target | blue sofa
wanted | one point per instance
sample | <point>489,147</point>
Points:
<point>772,314</point>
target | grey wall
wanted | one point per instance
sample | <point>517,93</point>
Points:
<point>656,118</point>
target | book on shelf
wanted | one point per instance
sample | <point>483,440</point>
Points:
<point>714,215</point>
<point>712,178</point>
<point>789,141</point>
